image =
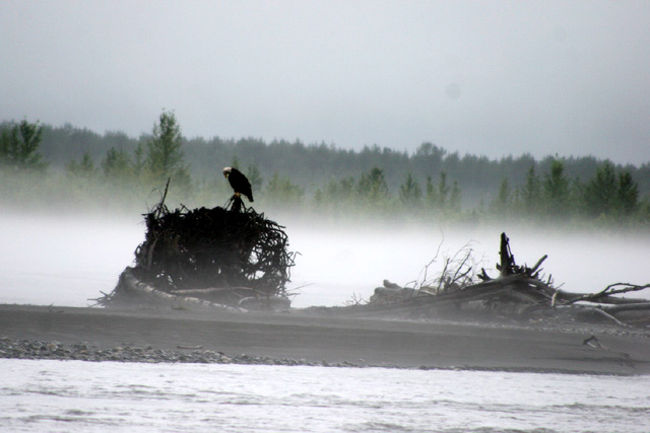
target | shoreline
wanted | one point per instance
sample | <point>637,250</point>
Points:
<point>33,350</point>
<point>304,338</point>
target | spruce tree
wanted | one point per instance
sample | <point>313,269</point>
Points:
<point>556,189</point>
<point>19,146</point>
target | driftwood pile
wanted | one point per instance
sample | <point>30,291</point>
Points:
<point>236,259</point>
<point>211,257</point>
<point>519,292</point>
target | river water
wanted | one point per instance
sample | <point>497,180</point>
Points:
<point>77,396</point>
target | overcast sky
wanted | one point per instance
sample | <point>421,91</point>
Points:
<point>485,77</point>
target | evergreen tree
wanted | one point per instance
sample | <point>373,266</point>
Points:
<point>372,187</point>
<point>346,189</point>
<point>84,168</point>
<point>601,193</point>
<point>431,197</point>
<point>443,190</point>
<point>556,189</point>
<point>454,199</point>
<point>577,196</point>
<point>338,193</point>
<point>234,163</point>
<point>628,194</point>
<point>280,189</point>
<point>19,146</point>
<point>531,192</point>
<point>502,202</point>
<point>4,146</point>
<point>116,165</point>
<point>254,177</point>
<point>139,161</point>
<point>410,193</point>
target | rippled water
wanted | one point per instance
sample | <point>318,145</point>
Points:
<point>75,396</point>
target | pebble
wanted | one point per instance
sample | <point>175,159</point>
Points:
<point>31,349</point>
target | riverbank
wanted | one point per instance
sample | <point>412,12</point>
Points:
<point>303,337</point>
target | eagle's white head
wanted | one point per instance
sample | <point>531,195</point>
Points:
<point>226,171</point>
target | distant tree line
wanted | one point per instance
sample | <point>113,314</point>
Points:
<point>429,183</point>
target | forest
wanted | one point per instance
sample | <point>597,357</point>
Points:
<point>43,166</point>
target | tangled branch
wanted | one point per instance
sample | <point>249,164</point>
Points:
<point>612,289</point>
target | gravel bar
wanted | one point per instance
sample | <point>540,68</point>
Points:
<point>34,349</point>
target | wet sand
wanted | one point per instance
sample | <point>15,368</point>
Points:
<point>312,338</point>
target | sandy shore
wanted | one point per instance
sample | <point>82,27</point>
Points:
<point>306,338</point>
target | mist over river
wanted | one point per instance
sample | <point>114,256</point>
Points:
<point>67,260</point>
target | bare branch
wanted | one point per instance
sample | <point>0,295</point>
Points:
<point>608,291</point>
<point>538,264</point>
<point>432,261</point>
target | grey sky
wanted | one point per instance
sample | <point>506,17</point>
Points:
<point>484,77</point>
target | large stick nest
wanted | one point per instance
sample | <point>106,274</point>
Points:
<point>207,257</point>
<point>213,248</point>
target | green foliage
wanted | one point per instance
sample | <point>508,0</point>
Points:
<point>139,162</point>
<point>431,197</point>
<point>628,194</point>
<point>531,193</point>
<point>255,177</point>
<point>19,145</point>
<point>443,190</point>
<point>335,195</point>
<point>642,215</point>
<point>372,190</point>
<point>314,165</point>
<point>454,201</point>
<point>440,197</point>
<point>117,165</point>
<point>609,195</point>
<point>503,201</point>
<point>600,195</point>
<point>425,184</point>
<point>410,193</point>
<point>556,189</point>
<point>235,162</point>
<point>84,168</point>
<point>605,198</point>
<point>281,190</point>
<point>164,157</point>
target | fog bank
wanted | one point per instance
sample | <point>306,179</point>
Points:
<point>68,260</point>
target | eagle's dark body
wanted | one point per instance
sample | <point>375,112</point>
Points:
<point>238,182</point>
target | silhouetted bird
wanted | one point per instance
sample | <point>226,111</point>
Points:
<point>239,182</point>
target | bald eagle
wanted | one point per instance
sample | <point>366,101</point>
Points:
<point>239,182</point>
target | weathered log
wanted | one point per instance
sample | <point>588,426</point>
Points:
<point>637,306</point>
<point>128,282</point>
<point>212,290</point>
